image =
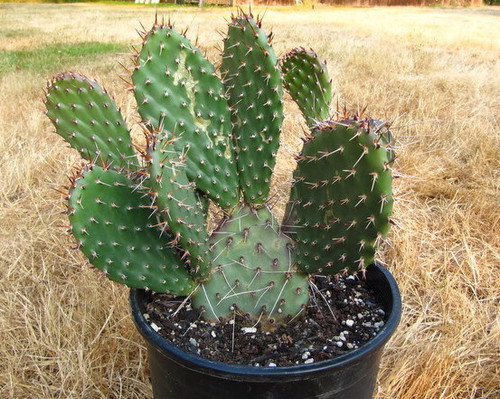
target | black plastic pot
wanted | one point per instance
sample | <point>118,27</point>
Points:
<point>177,374</point>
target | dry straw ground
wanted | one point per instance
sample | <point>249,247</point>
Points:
<point>66,333</point>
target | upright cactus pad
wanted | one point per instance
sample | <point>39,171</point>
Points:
<point>306,79</point>
<point>178,205</point>
<point>252,270</point>
<point>179,95</point>
<point>252,76</point>
<point>111,221</point>
<point>341,200</point>
<point>88,119</point>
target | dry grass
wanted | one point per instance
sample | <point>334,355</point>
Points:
<point>64,334</point>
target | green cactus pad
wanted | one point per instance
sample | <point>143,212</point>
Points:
<point>179,95</point>
<point>341,200</point>
<point>252,76</point>
<point>112,222</point>
<point>252,271</point>
<point>88,119</point>
<point>179,205</point>
<point>306,79</point>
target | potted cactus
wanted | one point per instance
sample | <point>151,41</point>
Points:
<point>211,142</point>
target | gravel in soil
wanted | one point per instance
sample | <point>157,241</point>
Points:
<point>342,315</point>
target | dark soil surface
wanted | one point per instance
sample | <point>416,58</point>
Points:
<point>342,316</point>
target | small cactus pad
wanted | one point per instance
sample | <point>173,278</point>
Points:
<point>306,79</point>
<point>178,204</point>
<point>341,199</point>
<point>252,271</point>
<point>179,95</point>
<point>112,224</point>
<point>252,76</point>
<point>88,119</point>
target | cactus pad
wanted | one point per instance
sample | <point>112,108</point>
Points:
<point>306,79</point>
<point>341,200</point>
<point>112,224</point>
<point>179,95</point>
<point>252,76</point>
<point>88,119</point>
<point>178,204</point>
<point>252,270</point>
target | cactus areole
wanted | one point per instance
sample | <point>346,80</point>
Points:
<point>140,214</point>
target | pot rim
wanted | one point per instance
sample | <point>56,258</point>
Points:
<point>192,360</point>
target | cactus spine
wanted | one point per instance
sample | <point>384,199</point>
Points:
<point>212,139</point>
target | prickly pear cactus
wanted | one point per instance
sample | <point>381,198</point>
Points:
<point>211,144</point>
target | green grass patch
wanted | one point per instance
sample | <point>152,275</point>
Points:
<point>45,59</point>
